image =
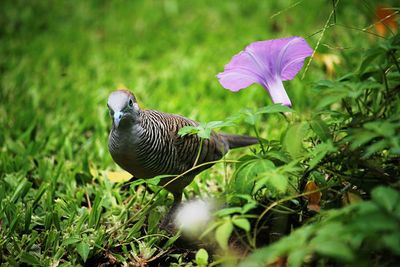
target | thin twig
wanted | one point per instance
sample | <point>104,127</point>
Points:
<point>286,9</point>
<point>381,20</point>
<point>88,201</point>
<point>319,39</point>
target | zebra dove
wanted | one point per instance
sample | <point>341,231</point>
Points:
<point>146,143</point>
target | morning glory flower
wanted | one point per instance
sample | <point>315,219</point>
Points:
<point>267,63</point>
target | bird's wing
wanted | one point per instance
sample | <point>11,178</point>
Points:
<point>188,147</point>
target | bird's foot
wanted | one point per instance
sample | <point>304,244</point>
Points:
<point>167,223</point>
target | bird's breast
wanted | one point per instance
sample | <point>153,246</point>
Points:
<point>123,147</point>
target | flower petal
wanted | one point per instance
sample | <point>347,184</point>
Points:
<point>237,79</point>
<point>278,92</point>
<point>291,57</point>
<point>247,61</point>
<point>267,63</point>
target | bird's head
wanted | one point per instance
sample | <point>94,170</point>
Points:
<point>123,108</point>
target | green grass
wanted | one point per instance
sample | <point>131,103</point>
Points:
<point>59,60</point>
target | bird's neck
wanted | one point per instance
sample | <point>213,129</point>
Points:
<point>131,126</point>
<point>131,120</point>
<point>123,142</point>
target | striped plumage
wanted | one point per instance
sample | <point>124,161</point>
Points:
<point>146,143</point>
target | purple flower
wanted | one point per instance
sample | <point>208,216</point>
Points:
<point>267,63</point>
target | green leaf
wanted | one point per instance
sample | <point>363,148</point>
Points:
<point>59,253</point>
<point>71,240</point>
<point>263,256</point>
<point>396,211</point>
<point>278,181</point>
<point>383,128</point>
<point>335,249</point>
<point>228,211</point>
<point>250,116</point>
<point>280,155</point>
<point>332,96</point>
<point>138,225</point>
<point>153,219</point>
<point>383,222</point>
<point>293,139</point>
<point>51,239</point>
<point>203,130</point>
<point>274,180</point>
<point>83,249</point>
<point>325,84</point>
<point>386,197</point>
<point>48,219</point>
<point>274,108</point>
<point>320,128</point>
<point>210,227</point>
<point>171,240</point>
<point>30,259</point>
<point>188,130</point>
<point>242,223</point>
<point>202,257</point>
<point>392,241</point>
<point>360,138</point>
<point>375,147</point>
<point>204,133</point>
<point>95,212</point>
<point>56,220</point>
<point>319,152</point>
<point>39,193</point>
<point>296,257</point>
<point>248,172</point>
<point>223,233</point>
<point>369,57</point>
<point>249,206</point>
<point>21,190</point>
<point>28,218</point>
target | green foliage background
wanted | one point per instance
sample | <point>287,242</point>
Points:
<point>59,60</point>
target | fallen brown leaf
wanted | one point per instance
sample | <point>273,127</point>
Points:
<point>118,176</point>
<point>385,20</point>
<point>313,198</point>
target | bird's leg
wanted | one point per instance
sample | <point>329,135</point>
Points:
<point>127,185</point>
<point>177,200</point>
<point>168,222</point>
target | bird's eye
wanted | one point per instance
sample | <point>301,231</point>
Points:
<point>130,103</point>
<point>111,113</point>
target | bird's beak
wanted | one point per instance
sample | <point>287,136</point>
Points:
<point>117,118</point>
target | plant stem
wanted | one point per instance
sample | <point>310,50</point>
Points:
<point>259,140</point>
<point>199,152</point>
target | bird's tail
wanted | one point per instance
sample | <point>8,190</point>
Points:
<point>235,140</point>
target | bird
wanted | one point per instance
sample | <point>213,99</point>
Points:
<point>146,144</point>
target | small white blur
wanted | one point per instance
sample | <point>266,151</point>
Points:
<point>193,216</point>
